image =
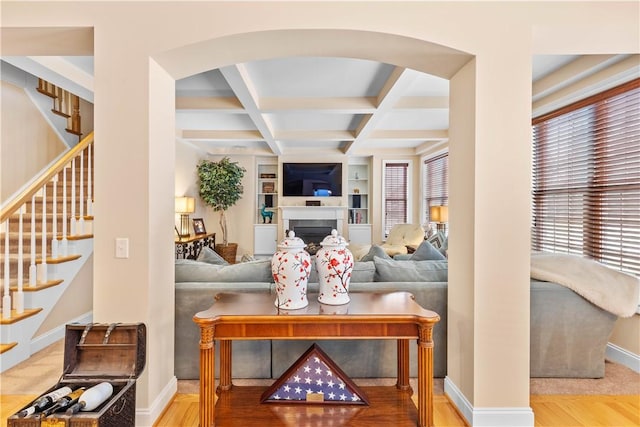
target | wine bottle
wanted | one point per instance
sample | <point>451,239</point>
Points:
<point>92,398</point>
<point>43,402</point>
<point>64,402</point>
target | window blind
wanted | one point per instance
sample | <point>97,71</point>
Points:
<point>395,195</point>
<point>586,179</point>
<point>436,182</point>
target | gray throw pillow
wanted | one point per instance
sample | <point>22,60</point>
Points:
<point>426,251</point>
<point>375,251</point>
<point>195,271</point>
<point>363,272</point>
<point>210,256</point>
<point>411,271</point>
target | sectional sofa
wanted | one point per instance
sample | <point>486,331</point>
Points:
<point>568,334</point>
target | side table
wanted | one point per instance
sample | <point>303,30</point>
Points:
<point>190,247</point>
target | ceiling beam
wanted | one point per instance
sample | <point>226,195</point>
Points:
<point>397,83</point>
<point>230,103</point>
<point>238,79</point>
<point>223,135</point>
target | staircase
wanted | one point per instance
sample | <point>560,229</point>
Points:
<point>46,237</point>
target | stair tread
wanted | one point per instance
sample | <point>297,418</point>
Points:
<point>15,317</point>
<point>7,347</point>
<point>59,260</point>
<point>38,286</point>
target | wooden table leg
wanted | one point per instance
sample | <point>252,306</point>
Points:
<point>225,366</point>
<point>207,376</point>
<point>425,376</point>
<point>403,365</point>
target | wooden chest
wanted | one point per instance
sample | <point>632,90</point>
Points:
<point>94,353</point>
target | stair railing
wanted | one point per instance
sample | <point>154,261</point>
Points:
<point>38,273</point>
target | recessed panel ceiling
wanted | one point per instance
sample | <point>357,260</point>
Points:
<point>437,119</point>
<point>292,121</point>
<point>318,77</point>
<point>209,83</point>
<point>208,119</point>
<point>428,85</point>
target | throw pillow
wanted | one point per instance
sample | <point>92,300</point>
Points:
<point>247,258</point>
<point>375,251</point>
<point>437,240</point>
<point>250,272</point>
<point>363,272</point>
<point>410,271</point>
<point>210,256</point>
<point>426,251</point>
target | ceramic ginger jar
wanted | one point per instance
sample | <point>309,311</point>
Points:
<point>334,263</point>
<point>290,267</point>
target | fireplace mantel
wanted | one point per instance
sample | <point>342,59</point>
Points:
<point>313,212</point>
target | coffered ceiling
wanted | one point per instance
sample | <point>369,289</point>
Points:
<point>312,105</point>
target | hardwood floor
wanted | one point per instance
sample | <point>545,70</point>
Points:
<point>549,410</point>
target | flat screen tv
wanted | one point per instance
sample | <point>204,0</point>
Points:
<point>312,179</point>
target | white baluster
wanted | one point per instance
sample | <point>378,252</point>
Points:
<point>18,297</point>
<point>54,214</point>
<point>32,265</point>
<point>42,267</point>
<point>74,230</point>
<point>6,298</point>
<point>81,221</point>
<point>64,246</point>
<point>89,180</point>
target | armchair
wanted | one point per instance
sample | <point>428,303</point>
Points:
<point>401,236</point>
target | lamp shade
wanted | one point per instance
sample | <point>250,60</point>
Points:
<point>439,213</point>
<point>185,205</point>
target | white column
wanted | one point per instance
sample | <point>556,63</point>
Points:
<point>54,215</point>
<point>81,198</point>
<point>74,229</point>
<point>89,180</point>
<point>18,296</point>
<point>64,244</point>
<point>42,267</point>
<point>6,297</point>
<point>32,265</point>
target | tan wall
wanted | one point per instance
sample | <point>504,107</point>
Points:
<point>28,142</point>
<point>76,300</point>
<point>186,38</point>
<point>626,334</point>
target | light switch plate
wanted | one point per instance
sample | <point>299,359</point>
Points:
<point>122,247</point>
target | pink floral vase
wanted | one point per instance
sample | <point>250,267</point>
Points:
<point>291,266</point>
<point>334,263</point>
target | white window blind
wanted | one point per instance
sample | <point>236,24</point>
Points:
<point>395,195</point>
<point>436,182</point>
<point>586,179</point>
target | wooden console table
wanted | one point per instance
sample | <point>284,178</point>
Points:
<point>190,247</point>
<point>244,316</point>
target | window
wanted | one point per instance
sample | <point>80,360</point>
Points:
<point>395,194</point>
<point>436,183</point>
<point>586,179</point>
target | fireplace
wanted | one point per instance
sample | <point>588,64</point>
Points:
<point>313,223</point>
<point>312,231</point>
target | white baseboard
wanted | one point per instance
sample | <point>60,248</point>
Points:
<point>146,417</point>
<point>458,399</point>
<point>623,357</point>
<point>57,333</point>
<point>495,417</point>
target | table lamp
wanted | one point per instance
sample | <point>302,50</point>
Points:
<point>439,215</point>
<point>185,206</point>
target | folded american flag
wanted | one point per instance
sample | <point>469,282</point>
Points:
<point>316,380</point>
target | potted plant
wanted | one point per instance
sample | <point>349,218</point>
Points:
<point>221,187</point>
